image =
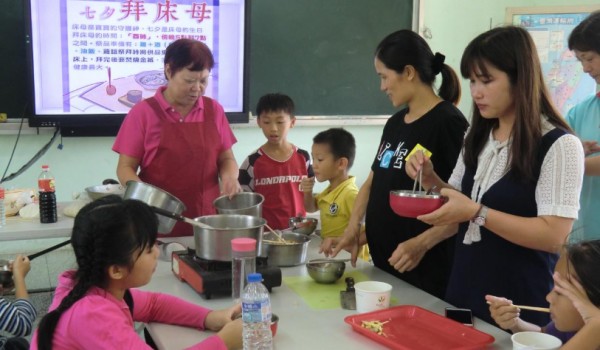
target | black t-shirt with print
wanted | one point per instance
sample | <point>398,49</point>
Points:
<point>441,131</point>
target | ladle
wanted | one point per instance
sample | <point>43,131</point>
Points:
<point>110,88</point>
<point>180,217</point>
<point>6,274</point>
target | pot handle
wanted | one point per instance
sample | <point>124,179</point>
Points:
<point>169,214</point>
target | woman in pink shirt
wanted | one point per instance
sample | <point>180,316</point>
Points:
<point>180,140</point>
<point>95,306</point>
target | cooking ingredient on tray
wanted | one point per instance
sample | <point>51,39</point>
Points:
<point>256,315</point>
<point>375,326</point>
<point>151,80</point>
<point>47,196</point>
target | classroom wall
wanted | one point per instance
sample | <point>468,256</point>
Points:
<point>87,161</point>
<point>454,23</point>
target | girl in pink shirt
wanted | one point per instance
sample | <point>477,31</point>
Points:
<point>94,307</point>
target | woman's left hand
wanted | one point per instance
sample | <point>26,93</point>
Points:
<point>458,208</point>
<point>408,255</point>
<point>230,186</point>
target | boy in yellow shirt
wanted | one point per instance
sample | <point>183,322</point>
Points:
<point>333,152</point>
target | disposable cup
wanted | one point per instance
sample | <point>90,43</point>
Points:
<point>372,296</point>
<point>535,341</point>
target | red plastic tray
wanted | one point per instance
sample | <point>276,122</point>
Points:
<point>414,328</point>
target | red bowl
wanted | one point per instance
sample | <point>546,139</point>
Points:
<point>274,322</point>
<point>412,204</point>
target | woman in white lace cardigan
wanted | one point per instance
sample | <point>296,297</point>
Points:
<point>514,193</point>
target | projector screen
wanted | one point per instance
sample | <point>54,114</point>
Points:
<point>93,60</point>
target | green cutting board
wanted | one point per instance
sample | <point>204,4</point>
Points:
<point>322,296</point>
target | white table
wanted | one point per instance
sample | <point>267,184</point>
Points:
<point>18,228</point>
<point>300,327</point>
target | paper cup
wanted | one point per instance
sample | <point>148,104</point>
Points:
<point>372,296</point>
<point>535,341</point>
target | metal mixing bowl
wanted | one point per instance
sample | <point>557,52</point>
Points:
<point>215,243</point>
<point>292,253</point>
<point>243,203</point>
<point>304,225</point>
<point>411,204</point>
<point>156,197</point>
<point>95,192</point>
<point>324,271</point>
<point>6,279</point>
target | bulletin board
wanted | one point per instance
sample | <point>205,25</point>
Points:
<point>550,28</point>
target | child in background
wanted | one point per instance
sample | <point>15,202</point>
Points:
<point>277,167</point>
<point>574,301</point>
<point>333,152</point>
<point>95,306</point>
<point>17,317</point>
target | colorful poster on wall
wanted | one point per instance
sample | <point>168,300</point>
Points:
<point>567,82</point>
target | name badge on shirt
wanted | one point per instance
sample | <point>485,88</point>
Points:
<point>333,208</point>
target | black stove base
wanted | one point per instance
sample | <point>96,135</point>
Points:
<point>211,284</point>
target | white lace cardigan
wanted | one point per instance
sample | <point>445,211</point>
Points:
<point>558,187</point>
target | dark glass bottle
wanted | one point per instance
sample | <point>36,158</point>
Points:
<point>47,197</point>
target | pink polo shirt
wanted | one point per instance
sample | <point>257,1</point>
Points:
<point>139,135</point>
<point>100,321</point>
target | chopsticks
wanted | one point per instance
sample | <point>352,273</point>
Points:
<point>532,308</point>
<point>277,234</point>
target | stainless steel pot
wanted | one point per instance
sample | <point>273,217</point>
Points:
<point>156,197</point>
<point>243,203</point>
<point>291,253</point>
<point>215,243</point>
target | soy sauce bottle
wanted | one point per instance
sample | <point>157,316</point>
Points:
<point>47,197</point>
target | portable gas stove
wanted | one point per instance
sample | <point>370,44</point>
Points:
<point>212,277</point>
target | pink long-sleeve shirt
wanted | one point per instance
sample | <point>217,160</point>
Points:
<point>100,321</point>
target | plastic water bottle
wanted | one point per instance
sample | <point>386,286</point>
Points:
<point>47,196</point>
<point>2,208</point>
<point>243,263</point>
<point>256,315</point>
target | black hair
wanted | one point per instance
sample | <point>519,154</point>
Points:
<point>511,50</point>
<point>586,35</point>
<point>341,143</point>
<point>275,102</point>
<point>108,231</point>
<point>584,258</point>
<point>405,47</point>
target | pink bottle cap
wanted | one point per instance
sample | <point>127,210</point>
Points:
<point>243,244</point>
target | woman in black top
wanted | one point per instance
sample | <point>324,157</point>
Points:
<point>405,247</point>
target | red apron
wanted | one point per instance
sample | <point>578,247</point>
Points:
<point>185,164</point>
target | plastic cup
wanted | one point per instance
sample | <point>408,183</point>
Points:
<point>535,341</point>
<point>372,296</point>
